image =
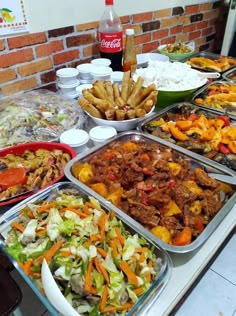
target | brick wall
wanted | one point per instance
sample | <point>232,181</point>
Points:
<point>30,61</point>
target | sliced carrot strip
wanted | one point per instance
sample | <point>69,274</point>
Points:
<point>129,273</point>
<point>45,207</point>
<point>108,309</point>
<point>119,236</point>
<point>104,298</point>
<point>102,252</point>
<point>18,226</point>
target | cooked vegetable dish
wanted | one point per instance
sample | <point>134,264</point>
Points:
<point>31,170</point>
<point>221,64</point>
<point>35,116</point>
<point>177,48</point>
<point>155,186</point>
<point>218,95</point>
<point>98,264</point>
<point>188,126</point>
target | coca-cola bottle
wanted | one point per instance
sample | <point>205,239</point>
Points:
<point>111,37</point>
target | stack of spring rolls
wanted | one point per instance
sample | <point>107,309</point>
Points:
<point>106,100</point>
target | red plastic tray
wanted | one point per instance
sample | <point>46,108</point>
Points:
<point>21,148</point>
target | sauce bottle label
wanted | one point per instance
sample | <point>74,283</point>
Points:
<point>111,42</point>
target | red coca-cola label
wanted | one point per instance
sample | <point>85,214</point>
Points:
<point>110,42</point>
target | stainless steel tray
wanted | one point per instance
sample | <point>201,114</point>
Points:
<point>145,301</point>
<point>229,74</point>
<point>210,56</point>
<point>177,109</point>
<point>194,159</point>
<point>202,93</point>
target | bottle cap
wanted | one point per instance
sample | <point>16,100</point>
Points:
<point>129,32</point>
<point>109,2</point>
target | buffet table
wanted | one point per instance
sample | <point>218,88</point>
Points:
<point>188,267</point>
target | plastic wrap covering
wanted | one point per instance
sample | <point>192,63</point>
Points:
<point>39,115</point>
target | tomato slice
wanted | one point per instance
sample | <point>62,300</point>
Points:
<point>12,176</point>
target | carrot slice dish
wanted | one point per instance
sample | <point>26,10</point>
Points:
<point>98,264</point>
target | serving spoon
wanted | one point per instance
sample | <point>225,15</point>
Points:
<point>223,178</point>
<point>53,293</point>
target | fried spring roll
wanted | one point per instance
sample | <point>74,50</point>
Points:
<point>109,90</point>
<point>152,96</point>
<point>118,99</point>
<point>125,86</point>
<point>135,91</point>
<point>103,105</point>
<point>143,93</point>
<point>120,115</point>
<point>99,90</point>
<point>140,112</point>
<point>130,114</point>
<point>88,107</point>
<point>110,114</point>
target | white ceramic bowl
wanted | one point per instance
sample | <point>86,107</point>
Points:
<point>104,62</point>
<point>143,59</point>
<point>85,71</point>
<point>101,73</point>
<point>75,138</point>
<point>99,134</point>
<point>121,126</point>
<point>67,75</point>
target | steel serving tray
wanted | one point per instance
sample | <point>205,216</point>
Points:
<point>230,75</point>
<point>195,160</point>
<point>175,109</point>
<point>209,55</point>
<point>145,301</point>
<point>203,92</point>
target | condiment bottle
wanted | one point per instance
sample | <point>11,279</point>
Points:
<point>111,37</point>
<point>130,58</point>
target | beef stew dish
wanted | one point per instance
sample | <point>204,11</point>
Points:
<point>204,132</point>
<point>168,193</point>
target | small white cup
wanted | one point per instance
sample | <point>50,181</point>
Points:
<point>117,76</point>
<point>68,89</point>
<point>103,62</point>
<point>99,134</point>
<point>85,71</point>
<point>81,87</point>
<point>101,73</point>
<point>67,75</point>
<point>75,138</point>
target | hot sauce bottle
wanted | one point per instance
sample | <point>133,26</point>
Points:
<point>130,58</point>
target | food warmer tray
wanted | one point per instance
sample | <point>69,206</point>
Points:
<point>195,160</point>
<point>145,301</point>
<point>176,108</point>
<point>209,55</point>
<point>203,93</point>
<point>230,75</point>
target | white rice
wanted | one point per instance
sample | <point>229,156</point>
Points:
<point>169,76</point>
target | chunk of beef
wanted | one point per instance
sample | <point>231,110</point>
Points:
<point>204,180</point>
<point>182,195</point>
<point>171,223</point>
<point>210,203</point>
<point>147,215</point>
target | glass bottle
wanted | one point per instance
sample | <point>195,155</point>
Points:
<point>130,58</point>
<point>110,36</point>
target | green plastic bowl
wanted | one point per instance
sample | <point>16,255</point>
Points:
<point>166,98</point>
<point>174,56</point>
